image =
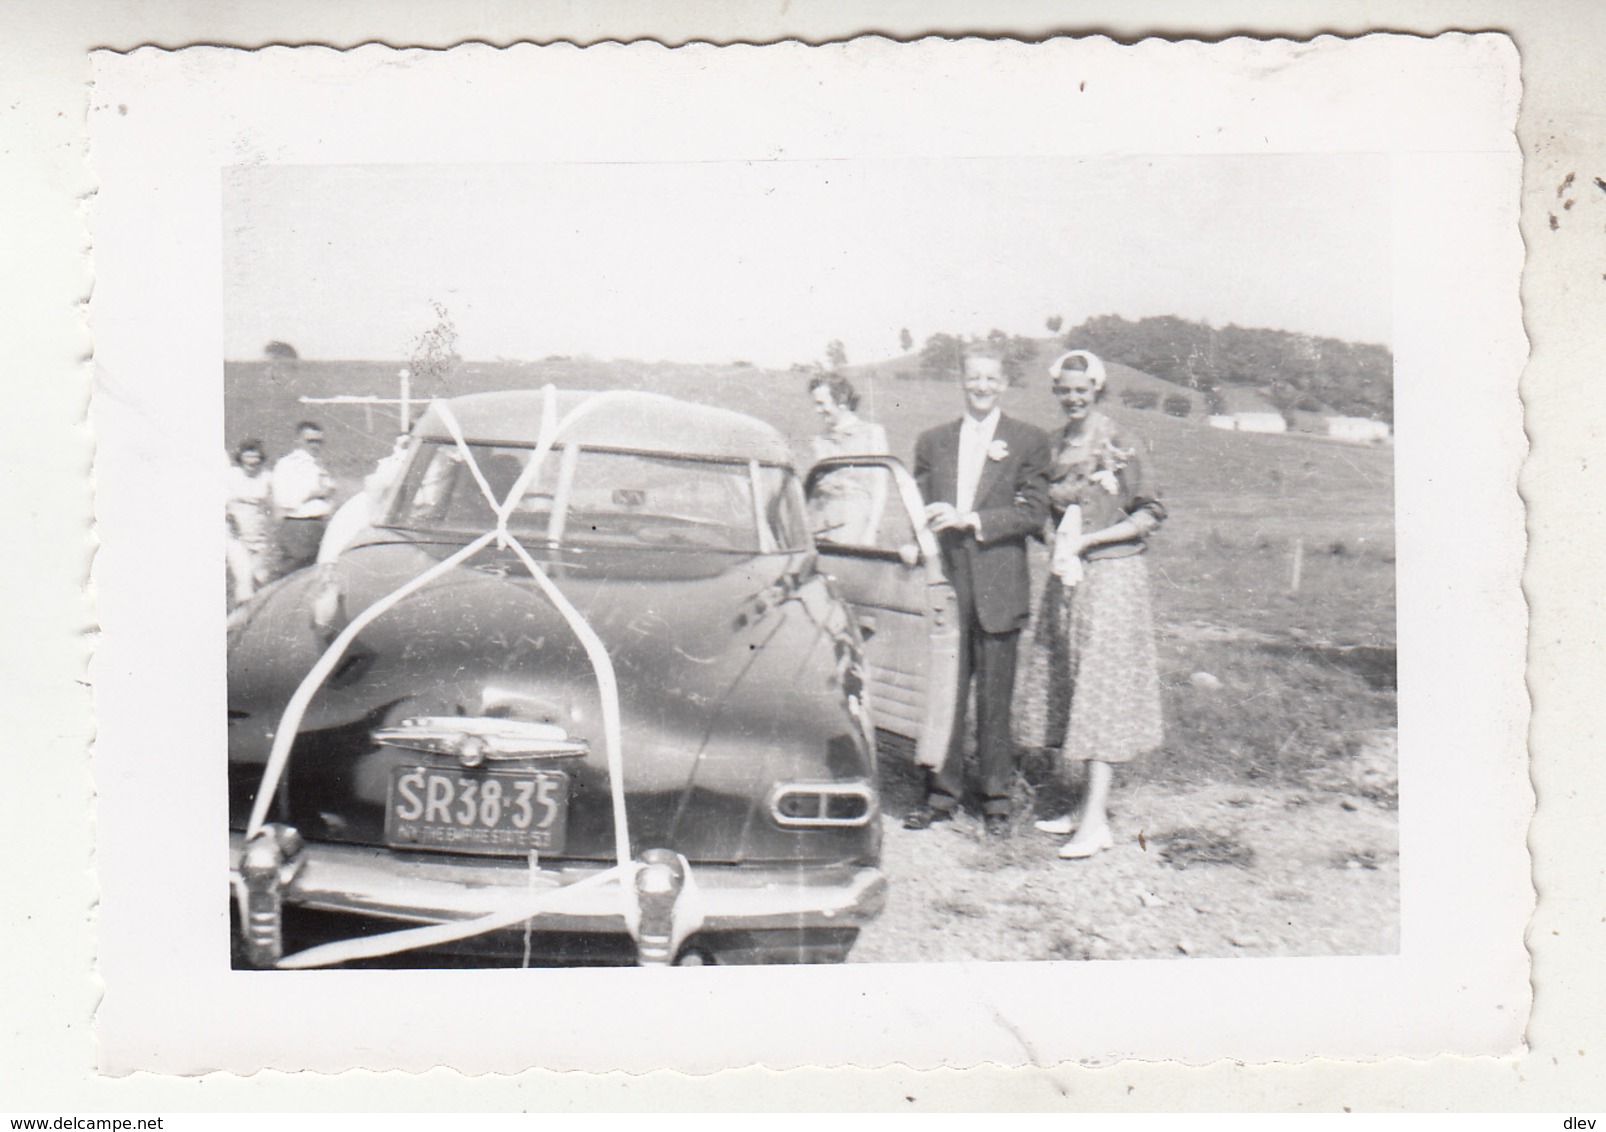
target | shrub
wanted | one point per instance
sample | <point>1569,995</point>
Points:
<point>1178,405</point>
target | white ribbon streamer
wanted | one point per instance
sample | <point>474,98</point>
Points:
<point>625,867</point>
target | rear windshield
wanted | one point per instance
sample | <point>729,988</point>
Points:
<point>589,496</point>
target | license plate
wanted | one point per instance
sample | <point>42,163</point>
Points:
<point>477,811</point>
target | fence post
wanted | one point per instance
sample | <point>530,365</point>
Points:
<point>1298,566</point>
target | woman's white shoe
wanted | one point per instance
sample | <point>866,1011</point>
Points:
<point>1079,848</point>
<point>1062,826</point>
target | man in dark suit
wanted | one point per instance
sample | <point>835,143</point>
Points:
<point>984,478</point>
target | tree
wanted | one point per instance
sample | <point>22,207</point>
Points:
<point>940,355</point>
<point>906,340</point>
<point>282,359</point>
<point>943,354</point>
<point>836,353</point>
<point>1017,354</point>
<point>1292,370</point>
<point>434,354</point>
<point>1054,323</point>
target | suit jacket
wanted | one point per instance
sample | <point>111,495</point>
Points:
<point>988,570</point>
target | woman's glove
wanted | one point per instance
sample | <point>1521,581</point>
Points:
<point>1066,564</point>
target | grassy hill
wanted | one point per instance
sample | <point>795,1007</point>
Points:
<point>1240,503</point>
<point>1292,696</point>
<point>1122,379</point>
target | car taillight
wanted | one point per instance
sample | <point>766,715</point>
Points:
<point>817,804</point>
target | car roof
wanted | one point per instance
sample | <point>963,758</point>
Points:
<point>650,422</point>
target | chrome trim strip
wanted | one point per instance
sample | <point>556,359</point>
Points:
<point>474,739</point>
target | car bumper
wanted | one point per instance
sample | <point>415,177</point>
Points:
<point>366,881</point>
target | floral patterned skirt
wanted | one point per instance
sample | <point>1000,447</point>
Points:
<point>1091,685</point>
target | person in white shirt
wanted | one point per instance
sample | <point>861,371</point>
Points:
<point>248,510</point>
<point>984,478</point>
<point>303,494</point>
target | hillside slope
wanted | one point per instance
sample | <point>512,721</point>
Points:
<point>1242,505</point>
<point>1123,379</point>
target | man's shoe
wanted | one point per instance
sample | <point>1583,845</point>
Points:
<point>997,825</point>
<point>924,817</point>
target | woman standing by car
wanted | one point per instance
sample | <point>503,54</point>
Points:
<point>1092,686</point>
<point>248,510</point>
<point>846,505</point>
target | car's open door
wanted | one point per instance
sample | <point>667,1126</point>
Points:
<point>868,521</point>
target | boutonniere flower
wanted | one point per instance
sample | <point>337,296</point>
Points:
<point>998,450</point>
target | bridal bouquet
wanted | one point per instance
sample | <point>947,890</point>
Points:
<point>1109,461</point>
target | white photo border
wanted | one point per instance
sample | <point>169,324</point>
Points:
<point>164,126</point>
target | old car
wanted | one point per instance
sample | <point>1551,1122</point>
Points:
<point>585,689</point>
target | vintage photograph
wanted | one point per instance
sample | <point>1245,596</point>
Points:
<point>809,561</point>
<point>928,554</point>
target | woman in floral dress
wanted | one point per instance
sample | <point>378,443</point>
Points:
<point>248,509</point>
<point>1092,688</point>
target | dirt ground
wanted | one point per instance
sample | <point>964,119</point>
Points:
<point>1267,824</point>
<point>1218,870</point>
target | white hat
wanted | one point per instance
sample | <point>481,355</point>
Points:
<point>1090,364</point>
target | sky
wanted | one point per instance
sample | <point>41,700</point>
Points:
<point>769,261</point>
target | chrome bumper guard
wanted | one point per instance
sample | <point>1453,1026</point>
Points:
<point>369,881</point>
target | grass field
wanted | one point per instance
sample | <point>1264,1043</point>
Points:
<point>1266,826</point>
<point>1297,674</point>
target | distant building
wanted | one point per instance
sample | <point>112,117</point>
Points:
<point>1260,422</point>
<point>1358,430</point>
<point>1351,430</point>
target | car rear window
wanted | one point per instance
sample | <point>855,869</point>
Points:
<point>605,497</point>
